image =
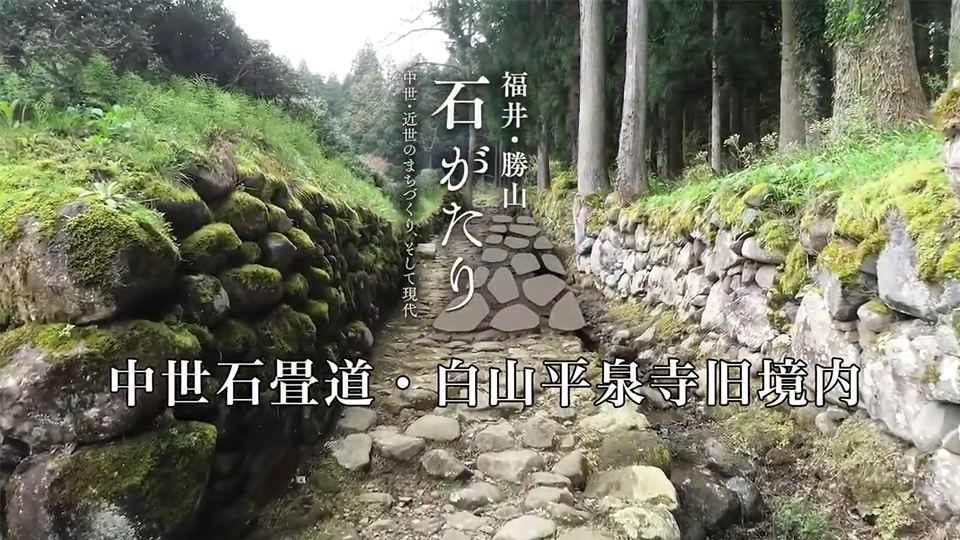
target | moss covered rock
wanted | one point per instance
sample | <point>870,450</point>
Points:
<point>247,215</point>
<point>84,262</point>
<point>180,205</point>
<point>214,176</point>
<point>296,290</point>
<point>252,287</point>
<point>205,302</point>
<point>55,379</point>
<point>318,312</point>
<point>628,448</point>
<point>278,220</point>
<point>250,252</point>
<point>210,249</point>
<point>287,334</point>
<point>139,489</point>
<point>236,340</point>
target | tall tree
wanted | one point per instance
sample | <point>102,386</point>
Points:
<point>591,176</point>
<point>631,156</point>
<point>954,52</point>
<point>792,123</point>
<point>716,144</point>
<point>876,64</point>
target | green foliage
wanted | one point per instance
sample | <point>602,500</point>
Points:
<point>851,22</point>
<point>796,518</point>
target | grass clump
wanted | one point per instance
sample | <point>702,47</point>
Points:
<point>796,518</point>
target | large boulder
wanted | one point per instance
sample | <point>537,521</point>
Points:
<point>816,340</point>
<point>139,489</point>
<point>81,262</point>
<point>55,380</point>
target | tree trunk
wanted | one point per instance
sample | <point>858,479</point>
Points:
<point>673,156</point>
<point>631,170</point>
<point>954,53</point>
<point>543,158</point>
<point>879,78</point>
<point>793,127</point>
<point>715,142</point>
<point>591,177</point>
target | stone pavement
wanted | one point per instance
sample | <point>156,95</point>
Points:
<point>410,469</point>
<point>514,248</point>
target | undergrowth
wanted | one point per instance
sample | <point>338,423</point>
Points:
<point>130,131</point>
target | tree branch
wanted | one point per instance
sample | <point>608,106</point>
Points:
<point>407,34</point>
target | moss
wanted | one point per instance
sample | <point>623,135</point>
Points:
<point>796,269</point>
<point>758,429</point>
<point>777,235</point>
<point>946,110</point>
<point>254,277</point>
<point>300,239</point>
<point>920,192</point>
<point>247,215</point>
<point>318,280</point>
<point>628,448</point>
<point>757,191</point>
<point>843,260</point>
<point>668,325</point>
<point>165,470</point>
<point>797,518</point>
<point>296,290</point>
<point>877,306</point>
<point>859,457</point>
<point>275,216</point>
<point>250,252</point>
<point>204,300</point>
<point>318,312</point>
<point>729,206</point>
<point>235,338</point>
<point>288,334</point>
<point>99,238</point>
<point>85,354</point>
<point>210,248</point>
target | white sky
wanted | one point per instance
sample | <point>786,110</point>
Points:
<point>328,33</point>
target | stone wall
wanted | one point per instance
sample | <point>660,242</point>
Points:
<point>253,269</point>
<point>899,329</point>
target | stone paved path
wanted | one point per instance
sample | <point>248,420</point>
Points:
<point>516,272</point>
<point>508,472</point>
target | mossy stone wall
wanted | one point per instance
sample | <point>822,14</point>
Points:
<point>873,288</point>
<point>262,269</point>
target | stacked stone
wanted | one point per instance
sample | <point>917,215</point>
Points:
<point>255,269</point>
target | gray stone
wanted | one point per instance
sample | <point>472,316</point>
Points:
<point>766,277</point>
<point>568,515</point>
<point>751,502</point>
<point>503,286</point>
<point>574,467</point>
<point>383,500</point>
<point>480,276</point>
<point>525,230</point>
<point>941,487</point>
<point>515,318</point>
<point>513,242</point>
<point>428,251</point>
<point>541,290</point>
<point>817,236</point>
<point>442,464</point>
<point>635,486</point>
<point>493,239</point>
<point>843,299</point>
<point>498,229</point>
<point>353,451</point>
<point>476,495</point>
<point>707,500</point>
<point>493,255</point>
<point>542,243</point>
<point>751,249</point>
<point>549,480</point>
<point>500,218</point>
<point>951,442</point>
<point>526,220</point>
<point>641,523</point>
<point>357,419</point>
<point>526,528</point>
<point>814,339</point>
<point>465,319</point>
<point>584,533</point>
<point>875,316</point>
<point>394,445</point>
<point>898,280</point>
<point>496,437</point>
<point>566,315</point>
<point>510,465</point>
<point>524,263</point>
<point>553,264</point>
<point>541,432</point>
<point>434,428</point>
<point>465,521</point>
<point>543,497</point>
